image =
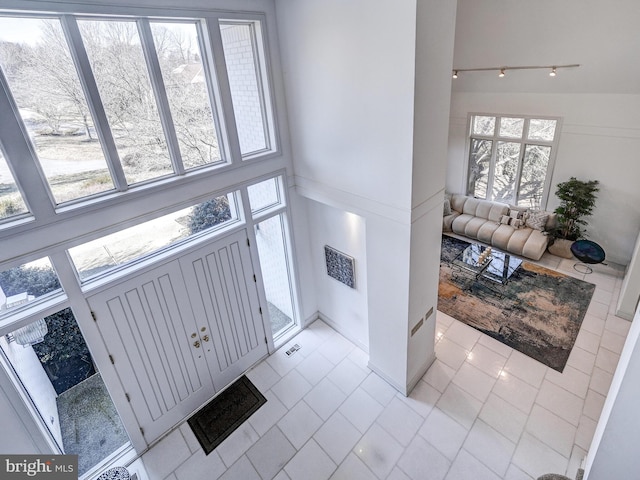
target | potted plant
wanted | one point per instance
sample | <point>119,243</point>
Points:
<point>577,200</point>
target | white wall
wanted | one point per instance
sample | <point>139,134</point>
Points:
<point>614,449</point>
<point>344,308</point>
<point>601,37</point>
<point>31,373</point>
<point>350,92</point>
<point>628,300</point>
<point>349,88</point>
<point>434,56</point>
<point>599,140</point>
<point>20,433</point>
<point>367,86</point>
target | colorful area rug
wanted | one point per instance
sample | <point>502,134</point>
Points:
<point>538,312</point>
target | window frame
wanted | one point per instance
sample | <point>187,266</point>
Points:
<point>261,66</point>
<point>132,266</point>
<point>280,209</point>
<point>523,141</point>
<point>21,155</point>
<point>50,229</point>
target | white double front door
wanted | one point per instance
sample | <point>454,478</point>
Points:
<point>182,331</point>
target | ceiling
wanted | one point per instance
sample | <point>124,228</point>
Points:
<point>603,37</point>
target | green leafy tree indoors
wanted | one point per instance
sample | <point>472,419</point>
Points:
<point>577,200</point>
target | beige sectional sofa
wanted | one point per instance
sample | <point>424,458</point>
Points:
<point>495,224</point>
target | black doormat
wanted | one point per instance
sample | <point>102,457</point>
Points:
<point>222,415</point>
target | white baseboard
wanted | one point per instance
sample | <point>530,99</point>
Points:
<point>310,319</point>
<point>403,389</point>
<point>406,389</point>
<point>336,326</point>
<point>418,376</point>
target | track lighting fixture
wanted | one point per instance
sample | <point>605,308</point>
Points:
<point>502,70</point>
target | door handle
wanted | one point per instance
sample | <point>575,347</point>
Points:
<point>196,344</point>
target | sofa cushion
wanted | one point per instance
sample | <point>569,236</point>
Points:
<point>483,209</point>
<point>458,201</point>
<point>518,240</point>
<point>470,206</point>
<point>460,222</point>
<point>497,211</point>
<point>486,231</point>
<point>473,225</point>
<point>501,236</point>
<point>447,220</point>
<point>535,245</point>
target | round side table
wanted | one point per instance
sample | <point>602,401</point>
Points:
<point>587,252</point>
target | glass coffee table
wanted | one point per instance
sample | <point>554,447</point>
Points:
<point>497,267</point>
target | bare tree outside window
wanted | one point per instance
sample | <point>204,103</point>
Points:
<point>11,202</point>
<point>516,169</point>
<point>506,172</point>
<point>120,70</point>
<point>184,78</point>
<point>47,91</point>
<point>479,163</point>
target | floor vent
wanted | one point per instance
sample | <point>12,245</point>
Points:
<point>292,350</point>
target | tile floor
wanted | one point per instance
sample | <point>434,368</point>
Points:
<point>482,411</point>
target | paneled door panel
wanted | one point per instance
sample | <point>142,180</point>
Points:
<point>182,331</point>
<point>224,297</point>
<point>147,327</point>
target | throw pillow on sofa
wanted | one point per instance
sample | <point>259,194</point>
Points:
<point>447,207</point>
<point>518,212</point>
<point>537,220</point>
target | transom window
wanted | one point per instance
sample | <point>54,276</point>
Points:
<point>511,158</point>
<point>144,239</point>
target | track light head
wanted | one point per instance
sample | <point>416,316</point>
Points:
<point>553,72</point>
<point>455,74</point>
<point>501,74</point>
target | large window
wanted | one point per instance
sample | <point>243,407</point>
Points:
<point>110,102</point>
<point>268,209</point>
<point>243,66</point>
<point>126,133</point>
<point>510,158</point>
<point>11,202</point>
<point>38,66</point>
<point>27,283</point>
